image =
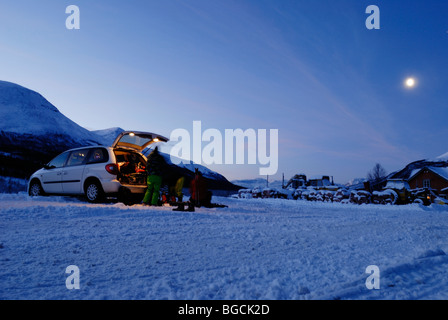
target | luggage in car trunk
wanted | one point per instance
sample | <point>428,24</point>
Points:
<point>132,168</point>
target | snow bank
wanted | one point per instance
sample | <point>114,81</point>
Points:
<point>12,185</point>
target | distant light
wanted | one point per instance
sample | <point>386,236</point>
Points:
<point>410,83</point>
<point>132,134</point>
<point>155,139</point>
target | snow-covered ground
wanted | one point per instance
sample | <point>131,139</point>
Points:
<point>254,249</point>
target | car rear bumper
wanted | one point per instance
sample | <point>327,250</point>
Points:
<point>136,188</point>
<point>113,187</point>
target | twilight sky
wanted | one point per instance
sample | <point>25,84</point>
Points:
<point>311,69</point>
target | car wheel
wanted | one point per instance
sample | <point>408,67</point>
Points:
<point>93,192</point>
<point>36,189</point>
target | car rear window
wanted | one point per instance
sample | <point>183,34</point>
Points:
<point>77,158</point>
<point>98,155</point>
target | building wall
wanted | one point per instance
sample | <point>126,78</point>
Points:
<point>436,181</point>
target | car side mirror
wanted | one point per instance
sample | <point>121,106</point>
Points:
<point>48,167</point>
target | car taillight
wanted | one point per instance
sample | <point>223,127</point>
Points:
<point>112,168</point>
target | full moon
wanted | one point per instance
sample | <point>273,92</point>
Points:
<point>410,82</point>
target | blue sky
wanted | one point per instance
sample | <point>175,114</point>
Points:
<point>310,69</point>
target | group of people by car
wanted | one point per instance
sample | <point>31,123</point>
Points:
<point>159,172</point>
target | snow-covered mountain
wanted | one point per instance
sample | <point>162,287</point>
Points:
<point>356,183</point>
<point>23,111</point>
<point>108,136</point>
<point>192,166</point>
<point>443,157</point>
<point>258,182</point>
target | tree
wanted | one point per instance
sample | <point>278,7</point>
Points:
<point>377,173</point>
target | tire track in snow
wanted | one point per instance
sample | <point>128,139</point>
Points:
<point>424,278</point>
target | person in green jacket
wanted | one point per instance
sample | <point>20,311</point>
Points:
<point>154,167</point>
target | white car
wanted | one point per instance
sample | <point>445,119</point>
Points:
<point>98,171</point>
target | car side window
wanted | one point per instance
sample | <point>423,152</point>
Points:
<point>59,161</point>
<point>77,158</point>
<point>98,155</point>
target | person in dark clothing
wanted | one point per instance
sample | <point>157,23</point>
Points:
<point>155,168</point>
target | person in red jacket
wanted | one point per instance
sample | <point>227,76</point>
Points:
<point>200,195</point>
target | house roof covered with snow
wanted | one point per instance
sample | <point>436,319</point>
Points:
<point>441,171</point>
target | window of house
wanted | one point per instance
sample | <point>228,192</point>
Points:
<point>426,183</point>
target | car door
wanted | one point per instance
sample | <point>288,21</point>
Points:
<point>73,170</point>
<point>52,174</point>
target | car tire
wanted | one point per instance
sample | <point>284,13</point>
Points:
<point>93,191</point>
<point>36,189</point>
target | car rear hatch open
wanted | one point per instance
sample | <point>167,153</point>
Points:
<point>137,141</point>
<point>129,147</point>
